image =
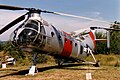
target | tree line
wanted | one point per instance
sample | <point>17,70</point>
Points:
<point>114,41</point>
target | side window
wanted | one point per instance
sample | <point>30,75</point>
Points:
<point>52,34</point>
<point>81,49</point>
<point>65,40</point>
<point>75,44</point>
<point>71,42</point>
<point>59,37</point>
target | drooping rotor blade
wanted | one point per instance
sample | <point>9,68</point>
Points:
<point>104,28</point>
<point>11,7</point>
<point>12,23</point>
<point>75,16</point>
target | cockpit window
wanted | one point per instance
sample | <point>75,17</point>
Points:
<point>32,24</point>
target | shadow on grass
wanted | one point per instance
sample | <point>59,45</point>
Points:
<point>23,72</point>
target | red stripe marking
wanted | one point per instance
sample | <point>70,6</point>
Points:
<point>93,38</point>
<point>67,50</point>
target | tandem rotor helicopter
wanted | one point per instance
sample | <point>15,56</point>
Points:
<point>37,34</point>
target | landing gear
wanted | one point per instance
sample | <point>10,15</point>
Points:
<point>97,64</point>
<point>33,68</point>
<point>59,62</point>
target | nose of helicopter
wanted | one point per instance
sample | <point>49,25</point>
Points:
<point>25,38</point>
<point>29,35</point>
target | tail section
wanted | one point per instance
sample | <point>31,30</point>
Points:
<point>89,40</point>
<point>87,37</point>
<point>93,39</point>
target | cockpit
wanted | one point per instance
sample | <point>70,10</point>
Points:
<point>28,34</point>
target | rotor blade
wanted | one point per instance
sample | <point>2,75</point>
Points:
<point>104,28</point>
<point>75,16</point>
<point>57,13</point>
<point>11,7</point>
<point>12,23</point>
<point>112,29</point>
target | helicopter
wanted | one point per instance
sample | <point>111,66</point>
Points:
<point>36,34</point>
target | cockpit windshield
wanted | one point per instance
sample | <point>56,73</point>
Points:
<point>29,33</point>
<point>32,24</point>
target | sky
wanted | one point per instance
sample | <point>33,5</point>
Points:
<point>106,10</point>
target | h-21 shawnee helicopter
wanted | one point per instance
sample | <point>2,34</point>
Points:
<point>37,34</point>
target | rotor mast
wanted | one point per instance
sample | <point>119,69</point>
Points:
<point>34,13</point>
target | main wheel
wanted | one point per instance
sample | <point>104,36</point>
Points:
<point>60,63</point>
<point>97,64</point>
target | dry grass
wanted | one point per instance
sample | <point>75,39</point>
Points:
<point>49,71</point>
<point>107,60</point>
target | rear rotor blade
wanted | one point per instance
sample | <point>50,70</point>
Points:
<point>12,23</point>
<point>104,28</point>
<point>112,29</point>
<point>11,7</point>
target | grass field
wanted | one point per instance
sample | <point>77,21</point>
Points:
<point>50,71</point>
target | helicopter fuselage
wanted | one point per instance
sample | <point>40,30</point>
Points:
<point>35,33</point>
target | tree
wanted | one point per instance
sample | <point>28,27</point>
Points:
<point>101,47</point>
<point>115,38</point>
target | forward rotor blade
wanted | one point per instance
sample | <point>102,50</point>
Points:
<point>75,16</point>
<point>11,7</point>
<point>12,24</point>
<point>57,13</point>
